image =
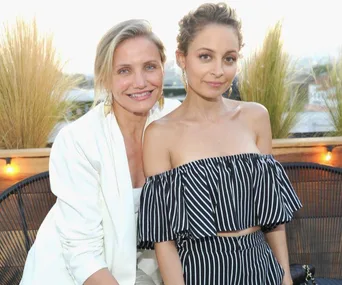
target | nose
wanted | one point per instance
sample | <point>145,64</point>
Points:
<point>217,70</point>
<point>139,80</point>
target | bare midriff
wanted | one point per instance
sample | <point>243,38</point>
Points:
<point>239,233</point>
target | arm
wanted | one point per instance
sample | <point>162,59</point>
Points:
<point>277,241</point>
<point>156,160</point>
<point>277,237</point>
<point>169,264</point>
<point>101,277</point>
<point>77,213</point>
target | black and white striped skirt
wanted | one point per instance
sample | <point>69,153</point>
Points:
<point>240,260</point>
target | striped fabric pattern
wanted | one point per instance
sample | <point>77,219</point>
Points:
<point>216,194</point>
<point>245,260</point>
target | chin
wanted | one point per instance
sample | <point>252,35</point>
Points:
<point>211,95</point>
<point>142,107</point>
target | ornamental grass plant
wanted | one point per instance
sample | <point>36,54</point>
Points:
<point>33,86</point>
<point>267,77</point>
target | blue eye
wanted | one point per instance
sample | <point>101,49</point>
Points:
<point>123,71</point>
<point>150,67</point>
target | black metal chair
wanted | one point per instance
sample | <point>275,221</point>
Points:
<point>315,234</point>
<point>23,208</point>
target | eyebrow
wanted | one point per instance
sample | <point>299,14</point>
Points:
<point>128,65</point>
<point>208,49</point>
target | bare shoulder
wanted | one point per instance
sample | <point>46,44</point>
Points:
<point>157,130</point>
<point>250,111</point>
<point>165,125</point>
<point>156,146</point>
<point>254,110</point>
<point>257,117</point>
<point>255,114</point>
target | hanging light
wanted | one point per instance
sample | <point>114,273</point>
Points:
<point>328,154</point>
<point>9,168</point>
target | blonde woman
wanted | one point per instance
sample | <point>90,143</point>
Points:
<point>89,236</point>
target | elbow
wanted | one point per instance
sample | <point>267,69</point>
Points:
<point>83,252</point>
<point>83,258</point>
<point>278,228</point>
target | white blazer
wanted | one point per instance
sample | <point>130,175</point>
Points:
<point>92,225</point>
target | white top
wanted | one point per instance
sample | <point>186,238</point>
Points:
<point>136,198</point>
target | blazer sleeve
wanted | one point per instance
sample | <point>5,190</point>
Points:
<point>78,214</point>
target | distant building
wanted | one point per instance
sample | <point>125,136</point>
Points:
<point>172,74</point>
<point>320,94</point>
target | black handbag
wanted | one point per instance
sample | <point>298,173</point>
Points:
<point>302,274</point>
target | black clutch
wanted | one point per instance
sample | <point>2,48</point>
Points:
<point>302,274</point>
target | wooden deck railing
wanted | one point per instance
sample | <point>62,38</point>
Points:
<point>32,161</point>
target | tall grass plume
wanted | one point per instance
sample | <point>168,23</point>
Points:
<point>267,78</point>
<point>32,86</point>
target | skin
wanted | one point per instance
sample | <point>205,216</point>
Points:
<point>207,125</point>
<point>137,69</point>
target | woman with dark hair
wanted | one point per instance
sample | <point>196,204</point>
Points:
<point>215,201</point>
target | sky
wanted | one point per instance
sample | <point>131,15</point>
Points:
<point>311,28</point>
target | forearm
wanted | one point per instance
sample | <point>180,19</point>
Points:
<point>101,277</point>
<point>277,242</point>
<point>169,263</point>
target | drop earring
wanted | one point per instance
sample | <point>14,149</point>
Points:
<point>161,101</point>
<point>230,91</point>
<point>185,80</point>
<point>108,104</point>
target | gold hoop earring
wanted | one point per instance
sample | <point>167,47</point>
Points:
<point>108,104</point>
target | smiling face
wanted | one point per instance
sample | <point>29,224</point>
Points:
<point>137,80</point>
<point>211,61</point>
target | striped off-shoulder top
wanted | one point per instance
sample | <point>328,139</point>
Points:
<point>216,194</point>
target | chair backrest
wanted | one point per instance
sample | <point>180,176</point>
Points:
<point>23,207</point>
<point>315,234</point>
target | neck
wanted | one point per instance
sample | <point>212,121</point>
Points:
<point>131,125</point>
<point>200,108</point>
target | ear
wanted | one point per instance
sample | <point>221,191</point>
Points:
<point>180,57</point>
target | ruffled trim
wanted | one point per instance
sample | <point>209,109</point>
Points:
<point>203,197</point>
<point>282,198</point>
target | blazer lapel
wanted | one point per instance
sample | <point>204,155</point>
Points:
<point>117,184</point>
<point>116,179</point>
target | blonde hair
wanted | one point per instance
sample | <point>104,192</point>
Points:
<point>103,66</point>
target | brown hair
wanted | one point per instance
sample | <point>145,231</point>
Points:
<point>192,23</point>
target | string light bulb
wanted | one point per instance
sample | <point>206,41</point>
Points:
<point>9,168</point>
<point>328,155</point>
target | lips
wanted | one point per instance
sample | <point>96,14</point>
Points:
<point>139,96</point>
<point>215,84</point>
